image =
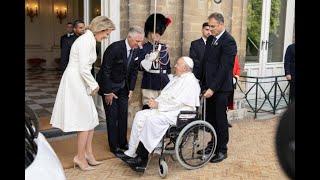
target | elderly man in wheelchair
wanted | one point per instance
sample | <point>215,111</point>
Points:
<point>150,125</point>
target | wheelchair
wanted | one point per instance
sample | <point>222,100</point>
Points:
<point>183,140</point>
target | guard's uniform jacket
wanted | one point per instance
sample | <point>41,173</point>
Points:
<point>157,78</point>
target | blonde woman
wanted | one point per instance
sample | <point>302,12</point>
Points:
<point>74,109</point>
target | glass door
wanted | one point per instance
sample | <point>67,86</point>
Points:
<point>254,23</point>
<point>270,27</point>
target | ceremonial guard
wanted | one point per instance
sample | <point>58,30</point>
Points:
<point>154,56</point>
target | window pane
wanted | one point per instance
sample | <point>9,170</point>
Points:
<point>277,30</point>
<point>253,31</point>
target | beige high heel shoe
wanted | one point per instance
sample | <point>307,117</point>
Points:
<point>76,162</point>
<point>92,161</point>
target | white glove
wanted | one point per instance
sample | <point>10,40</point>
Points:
<point>149,58</point>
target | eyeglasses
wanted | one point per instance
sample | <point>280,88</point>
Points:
<point>212,26</point>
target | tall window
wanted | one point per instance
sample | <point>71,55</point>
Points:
<point>277,30</point>
<point>253,30</point>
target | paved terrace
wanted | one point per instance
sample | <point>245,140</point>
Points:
<point>251,156</point>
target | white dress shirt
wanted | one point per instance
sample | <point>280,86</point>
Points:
<point>204,40</point>
<point>217,37</point>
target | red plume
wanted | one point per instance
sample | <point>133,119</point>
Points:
<point>168,21</point>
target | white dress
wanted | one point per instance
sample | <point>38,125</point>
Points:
<point>74,109</point>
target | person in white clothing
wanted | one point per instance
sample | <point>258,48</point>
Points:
<point>150,125</point>
<point>74,109</point>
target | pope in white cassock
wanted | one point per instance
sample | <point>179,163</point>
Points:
<point>150,125</point>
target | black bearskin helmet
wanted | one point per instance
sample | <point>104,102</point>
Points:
<point>161,24</point>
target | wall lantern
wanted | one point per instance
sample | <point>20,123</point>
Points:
<point>61,12</point>
<point>32,10</point>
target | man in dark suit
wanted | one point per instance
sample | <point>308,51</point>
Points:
<point>197,48</point>
<point>117,79</point>
<point>74,31</point>
<point>289,68</point>
<point>216,81</point>
<point>65,45</point>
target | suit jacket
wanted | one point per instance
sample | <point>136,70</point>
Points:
<point>196,53</point>
<point>114,73</point>
<point>289,61</point>
<point>65,46</point>
<point>217,63</point>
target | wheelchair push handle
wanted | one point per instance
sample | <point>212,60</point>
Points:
<point>203,107</point>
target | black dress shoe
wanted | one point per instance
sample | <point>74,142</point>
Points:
<point>206,151</point>
<point>229,125</point>
<point>140,168</point>
<point>126,147</point>
<point>141,165</point>
<point>124,157</point>
<point>137,168</point>
<point>219,157</point>
<point>134,161</point>
<point>121,155</point>
<point>116,150</point>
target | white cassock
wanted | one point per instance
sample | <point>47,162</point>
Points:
<point>150,125</point>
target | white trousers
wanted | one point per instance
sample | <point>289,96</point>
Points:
<point>149,126</point>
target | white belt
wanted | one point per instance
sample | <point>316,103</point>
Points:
<point>157,71</point>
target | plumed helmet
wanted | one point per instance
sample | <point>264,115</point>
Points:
<point>161,24</point>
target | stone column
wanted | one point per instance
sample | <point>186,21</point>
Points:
<point>173,34</point>
<point>239,28</point>
<point>138,11</point>
<point>194,15</point>
<point>124,18</point>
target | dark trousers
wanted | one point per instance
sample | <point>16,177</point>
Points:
<point>292,91</point>
<point>216,115</point>
<point>117,120</point>
<point>231,101</point>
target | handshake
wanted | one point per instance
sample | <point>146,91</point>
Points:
<point>149,58</point>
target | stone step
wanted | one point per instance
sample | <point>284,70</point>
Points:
<point>55,132</point>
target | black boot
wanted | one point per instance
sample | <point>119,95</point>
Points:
<point>139,163</point>
<point>207,150</point>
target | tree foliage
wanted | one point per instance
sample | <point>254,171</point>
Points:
<point>255,18</point>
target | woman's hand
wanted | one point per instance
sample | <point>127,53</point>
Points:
<point>95,91</point>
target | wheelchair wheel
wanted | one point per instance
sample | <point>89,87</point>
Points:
<point>163,168</point>
<point>194,137</point>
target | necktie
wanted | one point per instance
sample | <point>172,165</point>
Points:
<point>129,58</point>
<point>213,40</point>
